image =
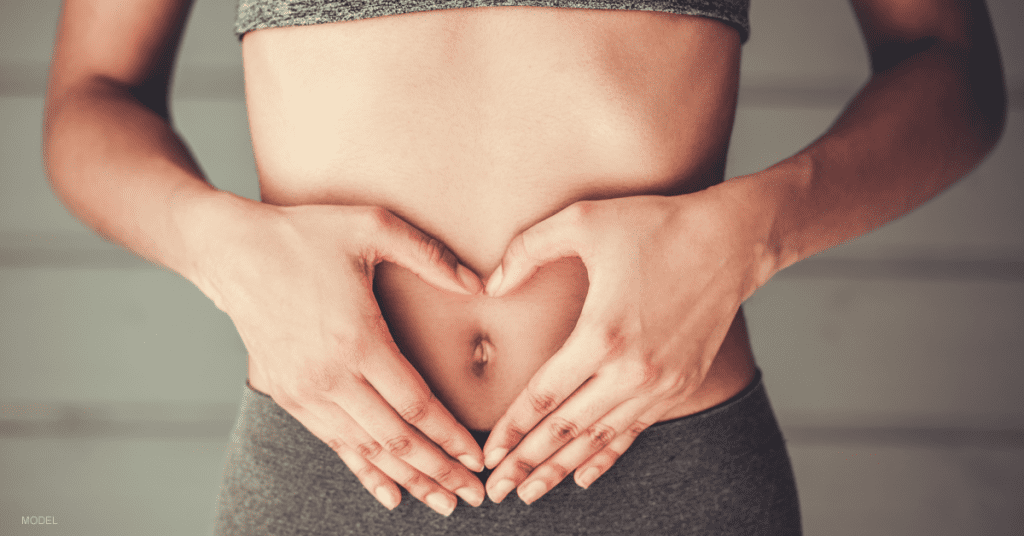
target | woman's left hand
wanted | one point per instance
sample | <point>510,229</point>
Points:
<point>667,276</point>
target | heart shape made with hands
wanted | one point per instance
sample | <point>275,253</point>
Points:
<point>445,335</point>
<point>663,282</point>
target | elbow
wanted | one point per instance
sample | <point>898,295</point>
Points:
<point>985,77</point>
<point>63,137</point>
<point>992,105</point>
<point>58,107</point>
<point>66,132</point>
<point>987,95</point>
<point>977,91</point>
<point>979,70</point>
<point>56,147</point>
<point>51,147</point>
<point>982,114</point>
<point>962,67</point>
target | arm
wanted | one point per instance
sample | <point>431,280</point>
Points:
<point>110,151</point>
<point>115,161</point>
<point>668,274</point>
<point>934,107</point>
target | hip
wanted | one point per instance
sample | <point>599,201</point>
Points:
<point>724,470</point>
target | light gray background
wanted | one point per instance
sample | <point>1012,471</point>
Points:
<point>894,362</point>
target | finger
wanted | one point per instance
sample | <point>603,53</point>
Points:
<point>599,463</point>
<point>403,389</point>
<point>394,436</point>
<point>373,479</point>
<point>359,447</point>
<point>548,240</point>
<point>555,381</point>
<point>397,241</point>
<point>586,422</point>
<point>590,441</point>
<point>589,344</point>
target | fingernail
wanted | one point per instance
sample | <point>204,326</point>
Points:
<point>472,463</point>
<point>494,282</point>
<point>501,489</point>
<point>589,476</point>
<point>472,496</point>
<point>533,491</point>
<point>469,280</point>
<point>384,495</point>
<point>494,457</point>
<point>441,503</point>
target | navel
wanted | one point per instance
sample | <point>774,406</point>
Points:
<point>483,352</point>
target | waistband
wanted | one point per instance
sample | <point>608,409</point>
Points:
<point>752,390</point>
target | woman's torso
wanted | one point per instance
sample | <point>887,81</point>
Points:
<point>474,124</point>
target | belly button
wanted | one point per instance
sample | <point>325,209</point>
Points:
<point>483,352</point>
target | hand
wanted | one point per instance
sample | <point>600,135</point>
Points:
<point>667,277</point>
<point>297,282</point>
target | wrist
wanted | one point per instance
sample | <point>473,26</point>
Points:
<point>208,222</point>
<point>766,203</point>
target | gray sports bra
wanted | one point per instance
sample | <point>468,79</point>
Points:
<point>259,14</point>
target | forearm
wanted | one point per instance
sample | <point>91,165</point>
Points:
<point>913,129</point>
<point>119,167</point>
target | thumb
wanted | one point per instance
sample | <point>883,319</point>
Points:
<point>399,242</point>
<point>547,241</point>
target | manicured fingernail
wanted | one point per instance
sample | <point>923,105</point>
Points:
<point>441,503</point>
<point>494,457</point>
<point>589,476</point>
<point>472,463</point>
<point>472,496</point>
<point>384,495</point>
<point>494,282</point>
<point>469,280</point>
<point>501,489</point>
<point>532,491</point>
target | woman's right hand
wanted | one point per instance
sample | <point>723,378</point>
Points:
<point>298,283</point>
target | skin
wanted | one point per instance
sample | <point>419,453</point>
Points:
<point>536,110</point>
<point>667,270</point>
<point>937,80</point>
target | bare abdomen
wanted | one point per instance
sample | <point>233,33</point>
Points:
<point>473,125</point>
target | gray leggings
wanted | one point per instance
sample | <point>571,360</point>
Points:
<point>722,471</point>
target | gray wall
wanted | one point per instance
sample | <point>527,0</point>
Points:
<point>894,362</point>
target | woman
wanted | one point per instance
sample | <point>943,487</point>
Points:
<point>505,218</point>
